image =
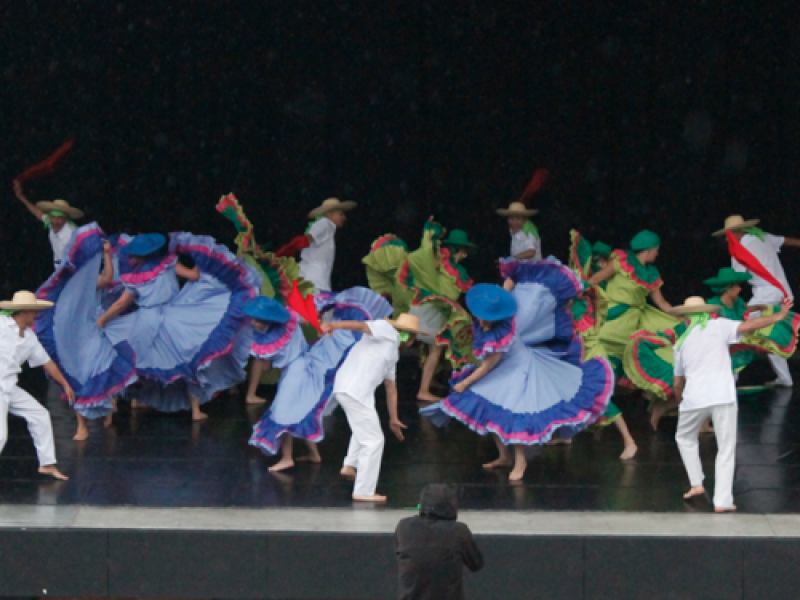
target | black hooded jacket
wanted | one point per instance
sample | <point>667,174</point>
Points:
<point>432,548</point>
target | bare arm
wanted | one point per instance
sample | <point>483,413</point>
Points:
<point>607,272</point>
<point>391,404</point>
<point>119,306</point>
<point>678,383</point>
<point>765,321</point>
<point>508,285</point>
<point>791,241</point>
<point>107,276</point>
<point>52,369</point>
<point>359,326</point>
<point>487,365</point>
<point>192,274</point>
<point>658,300</point>
<point>35,210</point>
<point>527,255</point>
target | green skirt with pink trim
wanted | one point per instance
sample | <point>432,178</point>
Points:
<point>387,255</point>
<point>454,325</point>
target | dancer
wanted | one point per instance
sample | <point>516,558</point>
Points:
<point>57,216</point>
<point>304,391</point>
<point>704,387</point>
<point>531,381</point>
<point>525,241</point>
<point>631,277</point>
<point>372,360</point>
<point>191,342</point>
<point>94,367</point>
<point>765,248</point>
<point>19,344</point>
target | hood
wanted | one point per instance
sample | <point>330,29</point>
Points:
<point>438,501</point>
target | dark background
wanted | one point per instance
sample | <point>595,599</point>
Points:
<point>665,115</point>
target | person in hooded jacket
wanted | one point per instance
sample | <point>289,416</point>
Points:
<point>432,548</point>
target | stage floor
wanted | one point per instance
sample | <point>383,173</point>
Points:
<point>147,459</point>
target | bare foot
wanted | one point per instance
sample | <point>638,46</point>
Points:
<point>659,408</point>
<point>518,471</point>
<point>503,462</point>
<point>312,457</point>
<point>558,442</point>
<point>372,498</point>
<point>253,399</point>
<point>629,452</point>
<point>422,397</point>
<point>53,472</point>
<point>348,472</point>
<point>724,509</point>
<point>199,415</point>
<point>282,465</point>
<point>107,421</point>
<point>80,435</point>
<point>696,490</point>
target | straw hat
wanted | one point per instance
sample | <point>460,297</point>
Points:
<point>517,209</point>
<point>60,206</point>
<point>693,305</point>
<point>406,322</point>
<point>330,205</point>
<point>734,223</point>
<point>24,300</point>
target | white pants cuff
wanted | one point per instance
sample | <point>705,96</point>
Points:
<point>20,403</point>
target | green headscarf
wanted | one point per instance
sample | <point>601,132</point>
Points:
<point>645,240</point>
<point>695,319</point>
<point>403,336</point>
<point>311,223</point>
<point>55,213</point>
<point>7,313</point>
<point>759,233</point>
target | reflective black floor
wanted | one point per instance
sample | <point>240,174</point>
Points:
<point>155,460</point>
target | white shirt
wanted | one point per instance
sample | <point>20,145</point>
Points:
<point>371,360</point>
<point>316,261</point>
<point>522,242</point>
<point>767,254</point>
<point>59,240</point>
<point>705,361</point>
<point>15,350</point>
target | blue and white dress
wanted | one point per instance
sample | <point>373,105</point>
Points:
<point>540,384</point>
<point>304,390</point>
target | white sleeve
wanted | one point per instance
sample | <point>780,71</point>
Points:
<point>737,266</point>
<point>775,241</point>
<point>8,364</point>
<point>322,231</point>
<point>391,370</point>
<point>678,369</point>
<point>730,330</point>
<point>38,355</point>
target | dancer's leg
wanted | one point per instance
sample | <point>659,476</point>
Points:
<point>256,370</point>
<point>520,463</point>
<point>197,414</point>
<point>504,460</point>
<point>313,453</point>
<point>428,369</point>
<point>83,428</point>
<point>781,368</point>
<point>689,424</point>
<point>660,409</point>
<point>22,404</point>
<point>366,429</point>
<point>286,461</point>
<point>630,446</point>
<point>724,416</point>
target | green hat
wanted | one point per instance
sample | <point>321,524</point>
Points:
<point>602,249</point>
<point>645,240</point>
<point>458,237</point>
<point>727,277</point>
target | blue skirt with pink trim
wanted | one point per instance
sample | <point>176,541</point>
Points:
<point>304,390</point>
<point>540,384</point>
<point>95,368</point>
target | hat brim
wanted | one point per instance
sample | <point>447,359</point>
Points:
<point>324,210</point>
<point>745,225</point>
<point>70,211</point>
<point>39,305</point>
<point>505,212</point>
<point>744,278</point>
<point>407,329</point>
<point>689,310</point>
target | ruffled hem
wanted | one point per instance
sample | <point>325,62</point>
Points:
<point>354,304</point>
<point>563,283</point>
<point>446,261</point>
<point>482,416</point>
<point>266,345</point>
<point>388,240</point>
<point>456,334</point>
<point>138,275</point>
<point>497,339</point>
<point>620,258</point>
<point>645,369</point>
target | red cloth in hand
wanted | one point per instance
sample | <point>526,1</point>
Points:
<point>304,307</point>
<point>750,262</point>
<point>293,247</point>
<point>47,166</point>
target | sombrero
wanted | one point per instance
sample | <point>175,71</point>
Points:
<point>490,302</point>
<point>266,309</point>
<point>61,206</point>
<point>516,209</point>
<point>694,305</point>
<point>458,237</point>
<point>735,223</point>
<point>143,244</point>
<point>24,300</point>
<point>406,322</point>
<point>330,205</point>
<point>727,276</point>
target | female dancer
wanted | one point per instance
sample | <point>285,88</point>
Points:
<point>531,381</point>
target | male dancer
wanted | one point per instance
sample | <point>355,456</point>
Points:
<point>18,344</point>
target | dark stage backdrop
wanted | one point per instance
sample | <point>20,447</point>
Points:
<point>665,115</point>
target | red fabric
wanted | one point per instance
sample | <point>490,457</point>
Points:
<point>293,247</point>
<point>304,307</point>
<point>47,166</point>
<point>750,262</point>
<point>540,177</point>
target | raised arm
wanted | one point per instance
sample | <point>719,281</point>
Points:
<point>107,276</point>
<point>658,300</point>
<point>765,321</point>
<point>489,363</point>
<point>192,274</point>
<point>607,272</point>
<point>526,255</point>
<point>125,300</point>
<point>791,241</point>
<point>359,326</point>
<point>35,210</point>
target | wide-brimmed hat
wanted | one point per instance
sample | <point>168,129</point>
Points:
<point>330,205</point>
<point>517,209</point>
<point>458,237</point>
<point>24,300</point>
<point>143,244</point>
<point>266,309</point>
<point>645,240</point>
<point>735,223</point>
<point>694,305</point>
<point>61,206</point>
<point>727,276</point>
<point>407,322</point>
<point>490,302</point>
<point>602,249</point>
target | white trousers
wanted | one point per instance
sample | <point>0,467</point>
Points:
<point>20,403</point>
<point>724,417</point>
<point>772,296</point>
<point>366,443</point>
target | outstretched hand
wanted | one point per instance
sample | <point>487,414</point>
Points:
<point>70,394</point>
<point>327,328</point>
<point>397,429</point>
<point>786,306</point>
<point>460,387</point>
